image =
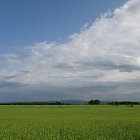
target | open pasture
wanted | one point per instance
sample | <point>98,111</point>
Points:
<point>69,122</point>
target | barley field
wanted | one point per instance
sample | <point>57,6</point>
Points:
<point>69,122</point>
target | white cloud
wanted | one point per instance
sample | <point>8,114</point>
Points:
<point>108,50</point>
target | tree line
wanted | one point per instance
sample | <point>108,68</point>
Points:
<point>124,103</point>
<point>91,102</point>
<point>97,102</point>
<point>35,103</point>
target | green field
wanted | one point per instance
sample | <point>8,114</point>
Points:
<point>72,122</point>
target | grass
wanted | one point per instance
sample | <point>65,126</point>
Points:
<point>74,122</point>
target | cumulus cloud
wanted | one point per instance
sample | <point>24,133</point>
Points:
<point>108,51</point>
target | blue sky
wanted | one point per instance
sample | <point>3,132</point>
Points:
<point>69,49</point>
<point>24,22</point>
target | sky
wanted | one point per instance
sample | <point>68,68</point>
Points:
<point>24,22</point>
<point>67,49</point>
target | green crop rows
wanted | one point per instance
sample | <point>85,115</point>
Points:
<point>71,122</point>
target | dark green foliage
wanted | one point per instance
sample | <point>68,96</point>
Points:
<point>94,102</point>
<point>35,103</point>
<point>124,103</point>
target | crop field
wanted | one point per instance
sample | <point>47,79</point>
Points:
<point>69,122</point>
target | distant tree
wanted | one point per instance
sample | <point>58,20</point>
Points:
<point>91,102</point>
<point>94,102</point>
<point>97,102</point>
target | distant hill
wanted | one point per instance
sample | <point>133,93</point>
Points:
<point>74,101</point>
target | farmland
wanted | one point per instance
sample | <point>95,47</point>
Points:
<point>69,122</point>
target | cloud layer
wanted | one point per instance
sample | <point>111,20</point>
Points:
<point>102,61</point>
